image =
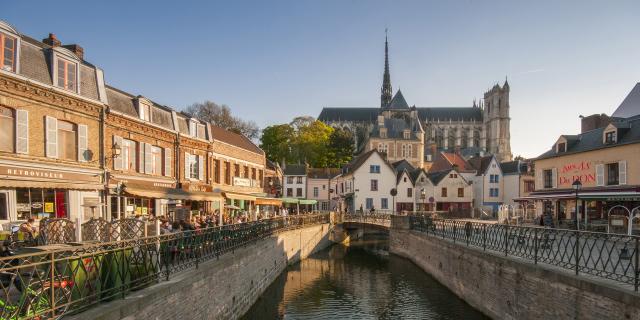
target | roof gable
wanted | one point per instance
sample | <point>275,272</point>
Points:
<point>398,101</point>
<point>630,106</point>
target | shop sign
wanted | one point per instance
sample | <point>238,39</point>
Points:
<point>48,207</point>
<point>145,183</point>
<point>22,172</point>
<point>197,187</point>
<point>36,205</point>
<point>623,198</point>
<point>241,182</point>
<point>582,171</point>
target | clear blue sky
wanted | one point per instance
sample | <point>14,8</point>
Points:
<point>273,60</point>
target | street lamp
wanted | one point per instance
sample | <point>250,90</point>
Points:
<point>577,185</point>
<point>423,196</point>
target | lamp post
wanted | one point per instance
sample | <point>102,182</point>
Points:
<point>577,185</point>
<point>423,196</point>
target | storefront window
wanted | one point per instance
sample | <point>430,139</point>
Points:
<point>41,203</point>
<point>4,210</point>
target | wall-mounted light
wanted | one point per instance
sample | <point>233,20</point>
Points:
<point>116,150</point>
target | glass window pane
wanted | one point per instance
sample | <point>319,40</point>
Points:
<point>9,43</point>
<point>7,133</point>
<point>37,203</point>
<point>23,204</point>
<point>4,211</point>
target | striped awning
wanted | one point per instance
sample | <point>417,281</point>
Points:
<point>239,196</point>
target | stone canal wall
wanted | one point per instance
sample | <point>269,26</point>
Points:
<point>507,288</point>
<point>218,289</point>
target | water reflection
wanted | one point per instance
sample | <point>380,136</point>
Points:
<point>361,281</point>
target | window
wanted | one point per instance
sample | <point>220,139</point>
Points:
<point>4,206</point>
<point>562,147</point>
<point>374,185</point>
<point>407,135</point>
<point>409,192</point>
<point>443,192</point>
<point>421,179</point>
<point>409,151</point>
<point>129,155</point>
<point>253,173</point>
<point>369,203</point>
<point>67,141</point>
<point>453,175</point>
<point>289,192</point>
<point>7,52</point>
<point>298,192</point>
<point>610,137</point>
<point>613,174</point>
<point>7,129</point>
<point>460,192</point>
<point>374,168</point>
<point>290,180</point>
<point>194,166</point>
<point>298,180</point>
<point>383,148</point>
<point>246,172</point>
<point>156,161</point>
<point>227,172</point>
<point>494,192</point>
<point>383,133</point>
<point>67,74</point>
<point>236,170</point>
<point>496,179</point>
<point>403,151</point>
<point>529,186</point>
<point>145,111</point>
<point>216,171</point>
<point>315,192</point>
<point>548,178</point>
<point>384,203</point>
<point>324,187</point>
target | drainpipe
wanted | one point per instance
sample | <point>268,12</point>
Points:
<point>105,174</point>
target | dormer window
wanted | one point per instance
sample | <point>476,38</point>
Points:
<point>196,130</point>
<point>67,74</point>
<point>407,134</point>
<point>610,137</point>
<point>8,50</point>
<point>561,147</point>
<point>383,132</point>
<point>145,111</point>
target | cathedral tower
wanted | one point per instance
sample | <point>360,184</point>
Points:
<point>496,121</point>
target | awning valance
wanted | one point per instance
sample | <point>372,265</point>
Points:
<point>290,200</point>
<point>239,196</point>
<point>306,201</point>
<point>174,194</point>
<point>49,185</point>
<point>268,201</point>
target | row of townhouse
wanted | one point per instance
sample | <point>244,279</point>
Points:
<point>72,146</point>
<point>309,186</point>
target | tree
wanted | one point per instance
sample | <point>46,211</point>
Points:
<point>340,147</point>
<point>312,143</point>
<point>277,142</point>
<point>220,115</point>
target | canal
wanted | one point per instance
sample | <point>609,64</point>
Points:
<point>359,281</point>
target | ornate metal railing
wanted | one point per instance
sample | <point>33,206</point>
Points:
<point>48,284</point>
<point>604,255</point>
<point>383,219</point>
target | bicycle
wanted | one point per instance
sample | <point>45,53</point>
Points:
<point>34,298</point>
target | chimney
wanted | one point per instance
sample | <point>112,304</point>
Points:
<point>434,149</point>
<point>76,49</point>
<point>593,121</point>
<point>52,40</point>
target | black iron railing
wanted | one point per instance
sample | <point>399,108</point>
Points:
<point>68,278</point>
<point>609,256</point>
<point>383,219</point>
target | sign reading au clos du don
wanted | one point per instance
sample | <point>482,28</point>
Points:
<point>584,171</point>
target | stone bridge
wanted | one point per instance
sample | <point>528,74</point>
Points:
<point>349,227</point>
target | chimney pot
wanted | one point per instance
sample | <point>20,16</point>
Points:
<point>52,40</point>
<point>76,49</point>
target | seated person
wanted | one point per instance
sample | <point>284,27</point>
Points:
<point>29,228</point>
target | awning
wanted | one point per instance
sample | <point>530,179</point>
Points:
<point>49,185</point>
<point>239,196</point>
<point>608,196</point>
<point>174,194</point>
<point>289,200</point>
<point>306,201</point>
<point>269,201</point>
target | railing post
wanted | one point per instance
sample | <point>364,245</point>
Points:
<point>637,270</point>
<point>506,240</point>
<point>484,237</point>
<point>51,286</point>
<point>577,246</point>
<point>535,246</point>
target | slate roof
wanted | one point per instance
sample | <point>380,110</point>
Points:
<point>511,167</point>
<point>323,173</point>
<point>396,126</point>
<point>436,177</point>
<point>480,164</point>
<point>402,165</point>
<point>124,102</point>
<point>354,164</point>
<point>234,139</point>
<point>630,106</point>
<point>295,170</point>
<point>398,102</point>
<point>428,114</point>
<point>592,140</point>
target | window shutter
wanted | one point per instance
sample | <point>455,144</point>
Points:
<point>167,162</point>
<point>622,172</point>
<point>600,174</point>
<point>148,159</point>
<point>200,168</point>
<point>554,177</point>
<point>187,165</point>
<point>141,156</point>
<point>539,180</point>
<point>22,131</point>
<point>52,136</point>
<point>117,161</point>
<point>83,133</point>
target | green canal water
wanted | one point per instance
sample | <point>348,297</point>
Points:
<point>359,281</point>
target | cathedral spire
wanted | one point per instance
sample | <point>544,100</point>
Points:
<point>385,97</point>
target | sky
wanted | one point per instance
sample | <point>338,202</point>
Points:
<point>273,60</point>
